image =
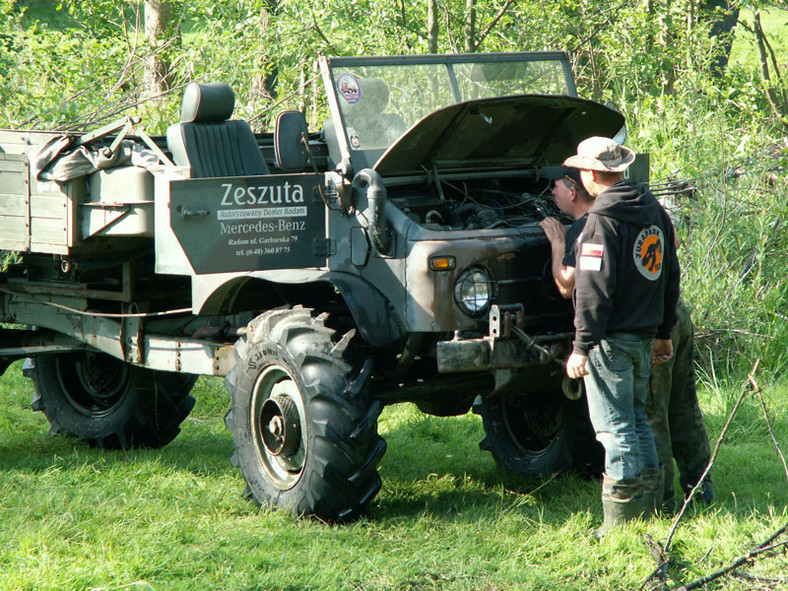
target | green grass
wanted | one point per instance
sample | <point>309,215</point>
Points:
<point>72,517</point>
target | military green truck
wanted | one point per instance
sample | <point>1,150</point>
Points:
<point>391,255</point>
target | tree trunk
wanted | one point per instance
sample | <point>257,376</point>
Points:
<point>722,16</point>
<point>432,26</point>
<point>470,26</point>
<point>263,84</point>
<point>160,32</point>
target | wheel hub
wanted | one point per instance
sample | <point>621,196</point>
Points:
<point>281,429</point>
<point>93,383</point>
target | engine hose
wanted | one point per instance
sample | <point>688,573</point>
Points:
<point>370,181</point>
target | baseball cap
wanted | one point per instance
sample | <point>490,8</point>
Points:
<point>562,172</point>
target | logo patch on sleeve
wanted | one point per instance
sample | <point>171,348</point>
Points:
<point>648,252</point>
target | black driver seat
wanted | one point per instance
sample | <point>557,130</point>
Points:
<point>210,143</point>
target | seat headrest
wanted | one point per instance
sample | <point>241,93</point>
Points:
<point>207,103</point>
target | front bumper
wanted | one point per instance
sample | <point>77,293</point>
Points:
<point>506,347</point>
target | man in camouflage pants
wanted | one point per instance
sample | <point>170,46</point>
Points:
<point>675,417</point>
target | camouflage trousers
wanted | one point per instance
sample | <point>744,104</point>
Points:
<point>673,412</point>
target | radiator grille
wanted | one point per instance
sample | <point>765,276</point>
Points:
<point>524,277</point>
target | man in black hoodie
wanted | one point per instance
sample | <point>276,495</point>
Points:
<point>626,291</point>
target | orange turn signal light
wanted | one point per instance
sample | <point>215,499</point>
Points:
<point>442,263</point>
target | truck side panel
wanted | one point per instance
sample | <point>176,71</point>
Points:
<point>14,202</point>
<point>36,216</point>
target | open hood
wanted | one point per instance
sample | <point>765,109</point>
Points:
<point>509,132</point>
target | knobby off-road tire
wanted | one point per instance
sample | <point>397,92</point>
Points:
<point>540,436</point>
<point>302,417</point>
<point>108,403</point>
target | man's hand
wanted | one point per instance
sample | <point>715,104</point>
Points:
<point>576,366</point>
<point>555,231</point>
<point>662,352</point>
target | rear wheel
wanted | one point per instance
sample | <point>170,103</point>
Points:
<point>303,420</point>
<point>539,434</point>
<point>109,403</point>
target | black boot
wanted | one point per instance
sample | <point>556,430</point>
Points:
<point>705,492</point>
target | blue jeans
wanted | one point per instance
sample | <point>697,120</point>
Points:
<point>616,388</point>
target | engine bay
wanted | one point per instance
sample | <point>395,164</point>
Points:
<point>487,203</point>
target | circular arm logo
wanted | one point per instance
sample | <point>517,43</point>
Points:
<point>648,252</point>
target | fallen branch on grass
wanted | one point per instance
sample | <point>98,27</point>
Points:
<point>691,495</point>
<point>762,548</point>
<point>662,555</point>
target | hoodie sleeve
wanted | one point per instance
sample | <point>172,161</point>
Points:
<point>595,281</point>
<point>672,287</point>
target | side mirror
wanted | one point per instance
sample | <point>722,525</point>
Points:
<point>290,137</point>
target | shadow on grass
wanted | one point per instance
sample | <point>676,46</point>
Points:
<point>196,449</point>
<point>434,465</point>
<point>552,501</point>
<point>442,472</point>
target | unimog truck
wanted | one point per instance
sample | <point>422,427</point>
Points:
<point>392,254</point>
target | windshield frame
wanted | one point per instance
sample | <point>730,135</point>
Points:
<point>360,157</point>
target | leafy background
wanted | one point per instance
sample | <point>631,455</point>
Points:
<point>78,64</point>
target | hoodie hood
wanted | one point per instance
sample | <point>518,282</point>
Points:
<point>632,204</point>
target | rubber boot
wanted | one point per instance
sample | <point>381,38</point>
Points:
<point>653,490</point>
<point>622,501</point>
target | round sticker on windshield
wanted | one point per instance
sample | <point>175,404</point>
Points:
<point>349,88</point>
<point>648,252</point>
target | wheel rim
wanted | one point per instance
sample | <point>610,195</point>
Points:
<point>94,385</point>
<point>532,430</point>
<point>277,419</point>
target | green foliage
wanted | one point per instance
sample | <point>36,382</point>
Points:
<point>719,132</point>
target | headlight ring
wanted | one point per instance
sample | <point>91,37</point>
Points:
<point>474,291</point>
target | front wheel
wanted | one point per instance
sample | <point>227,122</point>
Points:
<point>540,434</point>
<point>303,420</point>
<point>109,403</point>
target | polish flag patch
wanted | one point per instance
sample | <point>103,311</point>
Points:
<point>592,250</point>
<point>591,256</point>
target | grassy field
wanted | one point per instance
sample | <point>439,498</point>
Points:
<point>74,518</point>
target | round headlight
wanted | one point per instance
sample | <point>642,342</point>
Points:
<point>474,291</point>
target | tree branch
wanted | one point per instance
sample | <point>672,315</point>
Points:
<point>316,27</point>
<point>663,557</point>
<point>492,24</point>
<point>771,432</point>
<point>761,549</point>
<point>781,111</point>
<point>688,500</point>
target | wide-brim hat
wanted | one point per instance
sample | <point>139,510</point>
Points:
<point>601,154</point>
<point>560,171</point>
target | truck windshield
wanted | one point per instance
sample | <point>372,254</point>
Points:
<point>380,100</point>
